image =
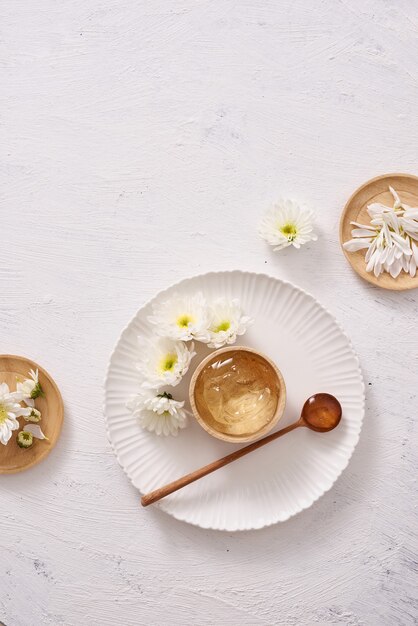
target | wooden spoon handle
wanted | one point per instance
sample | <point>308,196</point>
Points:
<point>153,496</point>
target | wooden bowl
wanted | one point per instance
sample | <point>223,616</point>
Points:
<point>377,190</point>
<point>12,458</point>
<point>278,379</point>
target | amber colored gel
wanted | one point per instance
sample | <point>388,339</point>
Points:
<point>237,393</point>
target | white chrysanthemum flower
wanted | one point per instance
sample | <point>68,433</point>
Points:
<point>164,362</point>
<point>10,411</point>
<point>287,224</point>
<point>182,318</point>
<point>30,388</point>
<point>158,413</point>
<point>226,322</point>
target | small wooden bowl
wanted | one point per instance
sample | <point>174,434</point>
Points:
<point>238,438</point>
<point>377,190</point>
<point>12,458</point>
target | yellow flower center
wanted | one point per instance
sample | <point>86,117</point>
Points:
<point>184,320</point>
<point>289,231</point>
<point>3,414</point>
<point>168,362</point>
<point>226,325</point>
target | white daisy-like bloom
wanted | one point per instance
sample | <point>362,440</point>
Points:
<point>30,388</point>
<point>10,411</point>
<point>226,322</point>
<point>182,318</point>
<point>287,224</point>
<point>158,413</point>
<point>389,238</point>
<point>164,361</point>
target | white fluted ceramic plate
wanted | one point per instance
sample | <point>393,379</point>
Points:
<point>276,481</point>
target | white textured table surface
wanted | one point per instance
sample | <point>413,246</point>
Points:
<point>140,143</point>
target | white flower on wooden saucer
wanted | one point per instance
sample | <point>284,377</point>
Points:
<point>164,361</point>
<point>226,322</point>
<point>30,388</point>
<point>10,411</point>
<point>182,317</point>
<point>287,224</point>
<point>158,413</point>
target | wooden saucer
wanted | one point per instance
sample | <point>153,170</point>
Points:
<point>377,190</point>
<point>12,458</point>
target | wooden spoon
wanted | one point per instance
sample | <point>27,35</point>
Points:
<point>321,412</point>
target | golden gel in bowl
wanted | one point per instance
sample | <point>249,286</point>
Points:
<point>237,394</point>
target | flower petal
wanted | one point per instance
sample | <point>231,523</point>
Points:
<point>359,225</point>
<point>411,213</point>
<point>412,267</point>
<point>363,232</point>
<point>396,198</point>
<point>36,431</point>
<point>377,208</point>
<point>415,251</point>
<point>402,243</point>
<point>356,244</point>
<point>395,268</point>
